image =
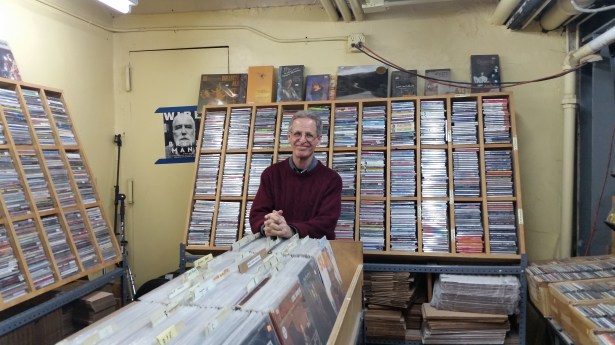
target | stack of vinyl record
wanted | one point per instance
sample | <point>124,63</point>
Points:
<point>213,130</point>
<point>433,123</point>
<point>464,123</point>
<point>402,123</point>
<point>345,127</point>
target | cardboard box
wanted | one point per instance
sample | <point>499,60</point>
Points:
<point>98,301</point>
<point>261,81</point>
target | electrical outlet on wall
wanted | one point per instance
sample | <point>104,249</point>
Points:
<point>354,39</point>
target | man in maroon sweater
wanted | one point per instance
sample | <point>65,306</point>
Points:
<point>300,194</point>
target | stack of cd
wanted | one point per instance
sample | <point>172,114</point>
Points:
<point>497,121</point>
<point>345,127</point>
<point>324,112</point>
<point>36,180</point>
<point>39,119</point>
<point>403,226</point>
<point>264,128</point>
<point>247,229</point>
<point>373,126</point>
<point>227,223</point>
<point>213,130</point>
<point>15,118</point>
<point>502,227</point>
<point>11,188</point>
<point>403,173</point>
<point>12,281</point>
<point>80,174</point>
<point>468,228</point>
<point>498,172</point>
<point>434,173</point>
<point>345,224</point>
<point>434,223</point>
<point>372,173</point>
<point>200,223</point>
<point>102,234</point>
<point>433,123</point>
<point>402,123</point>
<point>207,175</point>
<point>34,254</point>
<point>81,238</point>
<point>345,163</point>
<point>64,257</point>
<point>239,128</point>
<point>60,117</point>
<point>287,115</point>
<point>260,161</point>
<point>232,176</point>
<point>464,123</point>
<point>371,224</point>
<point>466,173</point>
<point>59,177</point>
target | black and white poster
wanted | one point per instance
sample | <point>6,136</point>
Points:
<point>181,125</point>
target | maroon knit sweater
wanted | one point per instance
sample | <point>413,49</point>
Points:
<point>311,201</point>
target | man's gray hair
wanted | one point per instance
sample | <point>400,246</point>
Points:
<point>307,114</point>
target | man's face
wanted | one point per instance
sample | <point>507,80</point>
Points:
<point>302,138</point>
<point>183,130</point>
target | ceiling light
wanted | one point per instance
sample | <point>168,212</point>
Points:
<point>120,5</point>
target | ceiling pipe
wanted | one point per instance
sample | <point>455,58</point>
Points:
<point>503,11</point>
<point>330,9</point>
<point>569,105</point>
<point>561,12</point>
<point>357,10</point>
<point>342,6</point>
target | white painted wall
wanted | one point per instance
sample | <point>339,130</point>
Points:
<point>82,60</point>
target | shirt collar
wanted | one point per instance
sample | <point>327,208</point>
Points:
<point>299,171</point>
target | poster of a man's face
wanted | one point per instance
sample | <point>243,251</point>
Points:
<point>180,131</point>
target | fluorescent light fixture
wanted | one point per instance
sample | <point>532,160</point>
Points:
<point>120,5</point>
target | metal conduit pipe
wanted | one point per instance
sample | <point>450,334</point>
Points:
<point>503,11</point>
<point>569,105</point>
<point>561,12</point>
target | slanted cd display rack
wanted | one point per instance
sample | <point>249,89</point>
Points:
<point>53,229</point>
<point>432,176</point>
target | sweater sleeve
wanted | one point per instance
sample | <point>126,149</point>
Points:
<point>324,221</point>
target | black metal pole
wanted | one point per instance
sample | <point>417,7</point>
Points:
<point>117,140</point>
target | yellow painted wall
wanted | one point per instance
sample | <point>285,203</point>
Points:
<point>88,63</point>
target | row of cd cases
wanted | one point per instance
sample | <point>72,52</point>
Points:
<point>434,129</point>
